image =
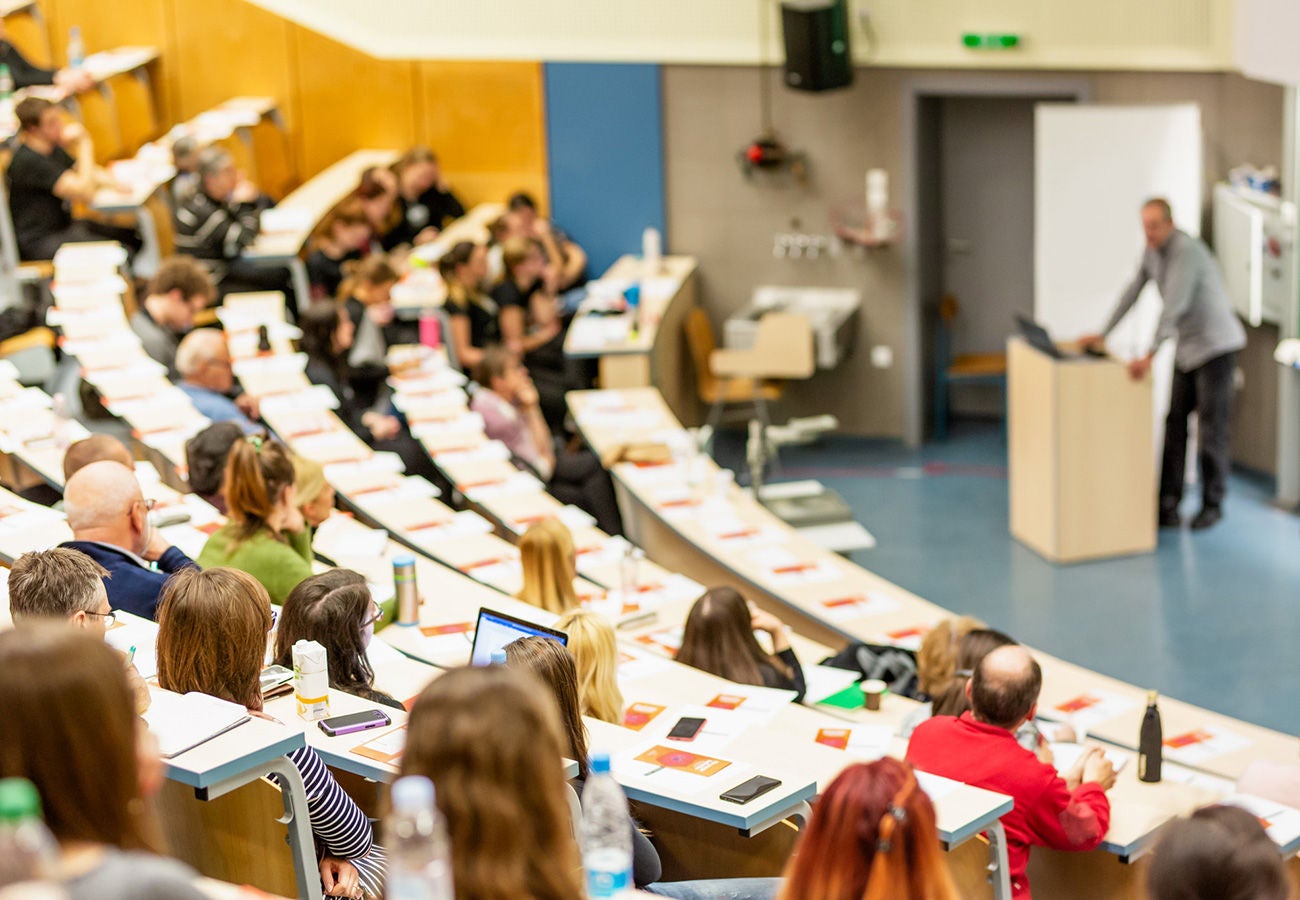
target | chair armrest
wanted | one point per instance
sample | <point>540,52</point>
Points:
<point>40,336</point>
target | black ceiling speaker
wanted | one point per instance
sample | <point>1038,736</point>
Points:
<point>817,52</point>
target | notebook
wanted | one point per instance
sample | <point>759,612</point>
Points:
<point>181,722</point>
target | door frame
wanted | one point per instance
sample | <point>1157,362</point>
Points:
<point>917,91</point>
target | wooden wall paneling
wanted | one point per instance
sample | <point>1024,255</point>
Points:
<point>349,101</point>
<point>274,158</point>
<point>486,121</point>
<point>27,32</point>
<point>98,112</point>
<point>134,97</point>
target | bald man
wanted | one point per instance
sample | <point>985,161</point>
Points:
<point>980,748</point>
<point>109,518</point>
<point>208,378</point>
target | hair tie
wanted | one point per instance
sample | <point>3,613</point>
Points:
<point>256,441</point>
<point>895,815</point>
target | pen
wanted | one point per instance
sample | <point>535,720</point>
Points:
<point>130,656</point>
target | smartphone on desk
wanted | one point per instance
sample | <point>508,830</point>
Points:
<point>746,791</point>
<point>361,721</point>
<point>686,729</point>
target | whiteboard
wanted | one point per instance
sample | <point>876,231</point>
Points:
<point>1094,165</point>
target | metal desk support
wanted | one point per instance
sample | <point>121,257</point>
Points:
<point>800,812</point>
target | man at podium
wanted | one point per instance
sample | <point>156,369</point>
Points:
<point>1197,313</point>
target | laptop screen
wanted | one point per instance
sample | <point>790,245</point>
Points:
<point>496,629</point>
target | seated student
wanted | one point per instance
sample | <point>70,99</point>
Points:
<point>221,220</point>
<point>595,655</point>
<point>185,159</point>
<point>377,192</point>
<point>73,732</point>
<point>177,292</point>
<point>471,314</point>
<point>314,495</point>
<point>936,660</point>
<point>212,632</point>
<point>566,261</point>
<point>1217,853</point>
<point>719,639</point>
<point>531,326</point>
<point>208,379</point>
<point>424,201</point>
<point>490,740</point>
<point>547,560</point>
<point>205,460</point>
<point>872,836</point>
<point>44,179</point>
<point>340,238</point>
<point>27,74</point>
<point>327,338</point>
<point>335,610</point>
<point>553,665</point>
<point>980,749</point>
<point>96,448</point>
<point>109,518</point>
<point>508,403</point>
<point>266,535</point>
<point>367,297</point>
<point>59,584</point>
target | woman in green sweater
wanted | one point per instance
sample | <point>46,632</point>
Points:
<point>266,535</point>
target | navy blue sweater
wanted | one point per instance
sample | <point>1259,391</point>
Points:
<point>130,586</point>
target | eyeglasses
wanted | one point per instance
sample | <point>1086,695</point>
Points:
<point>110,618</point>
<point>147,504</point>
<point>376,613</point>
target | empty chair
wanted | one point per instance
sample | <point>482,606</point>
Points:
<point>963,368</point>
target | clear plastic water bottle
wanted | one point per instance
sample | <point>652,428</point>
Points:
<point>28,852</point>
<point>606,834</point>
<point>415,835</point>
<point>76,48</point>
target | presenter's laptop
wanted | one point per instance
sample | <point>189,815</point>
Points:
<point>1039,339</point>
<point>496,629</point>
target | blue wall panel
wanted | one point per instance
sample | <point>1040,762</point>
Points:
<point>604,134</point>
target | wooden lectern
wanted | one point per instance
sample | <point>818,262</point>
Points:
<point>1081,456</point>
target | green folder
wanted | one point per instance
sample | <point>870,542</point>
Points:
<point>849,698</point>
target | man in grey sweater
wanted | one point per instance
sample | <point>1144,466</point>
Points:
<point>1198,314</point>
<point>176,294</point>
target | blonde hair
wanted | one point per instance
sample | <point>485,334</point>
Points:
<point>937,659</point>
<point>308,480</point>
<point>595,653</point>
<point>546,555</point>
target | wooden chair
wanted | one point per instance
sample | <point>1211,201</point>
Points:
<point>734,377</point>
<point>963,368</point>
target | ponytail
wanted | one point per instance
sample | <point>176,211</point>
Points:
<point>257,471</point>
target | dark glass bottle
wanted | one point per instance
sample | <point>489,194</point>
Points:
<point>1150,747</point>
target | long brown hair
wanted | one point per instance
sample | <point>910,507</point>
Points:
<point>331,609</point>
<point>872,836</point>
<point>546,557</point>
<point>977,644</point>
<point>349,211</point>
<point>212,627</point>
<point>489,738</point>
<point>594,648</point>
<point>258,469</point>
<point>719,638</point>
<point>1217,853</point>
<point>71,730</point>
<point>374,270</point>
<point>937,658</point>
<point>550,661</point>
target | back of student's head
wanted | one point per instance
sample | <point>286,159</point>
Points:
<point>546,556</point>
<point>937,657</point>
<point>1005,686</point>
<point>977,644</point>
<point>331,609</point>
<point>70,729</point>
<point>96,448</point>
<point>495,362</point>
<point>553,664</point>
<point>872,836</point>
<point>29,111</point>
<point>595,655</point>
<point>490,740</point>
<point>258,472</point>
<point>185,274</point>
<point>719,638</point>
<point>212,627</point>
<point>360,275</point>
<point>1217,853</point>
<point>206,454</point>
<point>54,584</point>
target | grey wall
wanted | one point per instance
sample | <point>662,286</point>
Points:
<point>728,222</point>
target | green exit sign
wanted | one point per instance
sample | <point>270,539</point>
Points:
<point>990,41</point>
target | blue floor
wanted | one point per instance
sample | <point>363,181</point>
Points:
<point>1211,617</point>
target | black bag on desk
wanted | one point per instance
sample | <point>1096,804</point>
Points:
<point>892,665</point>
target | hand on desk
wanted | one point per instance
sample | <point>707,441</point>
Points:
<point>1138,368</point>
<point>1093,766</point>
<point>339,878</point>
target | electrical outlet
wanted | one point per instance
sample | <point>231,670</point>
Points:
<point>882,356</point>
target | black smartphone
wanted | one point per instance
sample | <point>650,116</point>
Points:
<point>755,787</point>
<point>370,718</point>
<point>686,729</point>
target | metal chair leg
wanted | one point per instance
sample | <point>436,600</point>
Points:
<point>999,869</point>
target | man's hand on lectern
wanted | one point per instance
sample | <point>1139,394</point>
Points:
<point>1092,340</point>
<point>1138,368</point>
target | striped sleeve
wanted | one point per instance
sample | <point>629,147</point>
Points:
<point>340,827</point>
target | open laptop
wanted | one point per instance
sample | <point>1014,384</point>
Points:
<point>496,629</point>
